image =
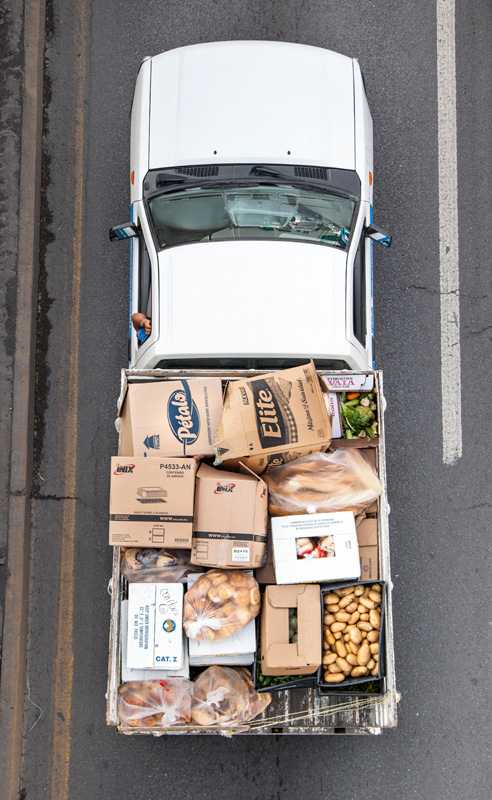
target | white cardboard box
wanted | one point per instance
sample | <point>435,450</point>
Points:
<point>128,674</point>
<point>155,626</point>
<point>343,565</point>
<point>236,649</point>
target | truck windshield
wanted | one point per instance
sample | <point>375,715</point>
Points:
<point>251,212</point>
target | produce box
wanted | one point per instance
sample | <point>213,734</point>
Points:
<point>354,403</point>
<point>282,654</point>
<point>326,687</point>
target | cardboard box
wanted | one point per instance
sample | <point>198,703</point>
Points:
<point>369,563</point>
<point>155,626</point>
<point>333,406</point>
<point>278,656</point>
<point>128,674</point>
<point>273,419</point>
<point>367,533</point>
<point>342,565</point>
<point>335,384</point>
<point>170,418</point>
<point>266,573</point>
<point>168,640</point>
<point>151,502</point>
<point>231,514</point>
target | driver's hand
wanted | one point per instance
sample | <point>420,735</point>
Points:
<point>147,326</point>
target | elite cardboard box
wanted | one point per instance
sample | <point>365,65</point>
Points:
<point>342,560</point>
<point>151,502</point>
<point>231,514</point>
<point>155,626</point>
<point>170,418</point>
<point>278,656</point>
<point>273,419</point>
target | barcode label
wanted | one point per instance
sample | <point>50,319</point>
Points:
<point>240,553</point>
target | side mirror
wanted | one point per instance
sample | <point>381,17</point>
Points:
<point>376,233</point>
<point>125,231</point>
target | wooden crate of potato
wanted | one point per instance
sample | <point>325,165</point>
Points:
<point>353,618</point>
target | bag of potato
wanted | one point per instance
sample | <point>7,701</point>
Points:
<point>223,696</point>
<point>162,703</point>
<point>149,565</point>
<point>220,603</point>
<point>342,480</point>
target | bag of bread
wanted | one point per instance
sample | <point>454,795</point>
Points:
<point>220,603</point>
<point>342,480</point>
<point>224,697</point>
<point>149,565</point>
<point>162,703</point>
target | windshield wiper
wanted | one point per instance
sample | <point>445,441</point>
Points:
<point>258,170</point>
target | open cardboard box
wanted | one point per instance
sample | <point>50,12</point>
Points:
<point>278,655</point>
<point>335,384</point>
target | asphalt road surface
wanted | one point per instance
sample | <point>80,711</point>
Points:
<point>441,552</point>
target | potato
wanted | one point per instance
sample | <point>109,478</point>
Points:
<point>334,678</point>
<point>371,664</point>
<point>352,659</point>
<point>364,617</point>
<point>330,598</point>
<point>364,626</point>
<point>329,658</point>
<point>329,619</point>
<point>365,601</point>
<point>344,665</point>
<point>358,672</point>
<point>373,636</point>
<point>364,654</point>
<point>355,617</point>
<point>375,587</point>
<point>375,670</point>
<point>337,626</point>
<point>337,635</point>
<point>358,591</point>
<point>375,618</point>
<point>376,596</point>
<point>364,634</point>
<point>345,601</point>
<point>355,635</point>
<point>342,616</point>
<point>330,638</point>
<point>333,668</point>
<point>351,607</point>
<point>341,649</point>
<point>346,590</point>
<point>332,607</point>
<point>346,637</point>
<point>373,647</point>
<point>353,647</point>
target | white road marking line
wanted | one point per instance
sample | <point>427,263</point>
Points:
<point>448,234</point>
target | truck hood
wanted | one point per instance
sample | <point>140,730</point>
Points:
<point>218,103</point>
<point>252,299</point>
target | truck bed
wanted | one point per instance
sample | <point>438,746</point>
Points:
<point>296,711</point>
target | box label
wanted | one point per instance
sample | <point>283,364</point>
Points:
<point>275,421</point>
<point>240,554</point>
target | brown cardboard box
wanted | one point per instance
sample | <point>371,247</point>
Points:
<point>367,533</point>
<point>151,502</point>
<point>266,574</point>
<point>170,418</point>
<point>231,514</point>
<point>369,566</point>
<point>278,657</point>
<point>272,419</point>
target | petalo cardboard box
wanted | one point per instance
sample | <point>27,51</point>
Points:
<point>278,656</point>
<point>170,418</point>
<point>231,514</point>
<point>342,560</point>
<point>272,419</point>
<point>151,502</point>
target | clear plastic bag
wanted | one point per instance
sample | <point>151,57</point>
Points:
<point>162,703</point>
<point>147,565</point>
<point>224,697</point>
<point>220,603</point>
<point>342,480</point>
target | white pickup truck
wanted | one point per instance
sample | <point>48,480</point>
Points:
<point>251,229</point>
<point>251,178</point>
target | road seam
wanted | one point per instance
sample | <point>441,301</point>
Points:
<point>13,675</point>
